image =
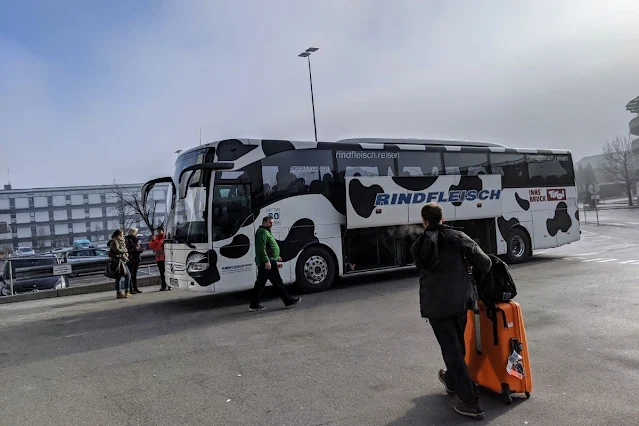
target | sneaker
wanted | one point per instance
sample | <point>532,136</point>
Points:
<point>442,378</point>
<point>119,295</point>
<point>472,410</point>
<point>294,302</point>
<point>259,308</point>
<point>127,294</point>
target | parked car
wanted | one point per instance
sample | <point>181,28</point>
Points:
<point>24,251</point>
<point>86,260</point>
<point>31,274</point>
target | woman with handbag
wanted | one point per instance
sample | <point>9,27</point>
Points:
<point>118,258</point>
<point>133,248</point>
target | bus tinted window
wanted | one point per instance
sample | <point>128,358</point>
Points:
<point>374,162</point>
<point>550,170</point>
<point>466,163</point>
<point>297,172</point>
<point>512,168</point>
<point>419,163</point>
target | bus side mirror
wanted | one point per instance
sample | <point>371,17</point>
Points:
<point>147,187</point>
<point>184,187</point>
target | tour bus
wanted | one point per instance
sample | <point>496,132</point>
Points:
<point>354,205</point>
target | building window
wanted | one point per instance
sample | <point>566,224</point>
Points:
<point>31,203</point>
<point>103,198</point>
<point>13,218</point>
<point>4,228</point>
<point>104,212</point>
<point>68,198</point>
<point>32,215</point>
<point>12,203</point>
<point>52,229</point>
<point>50,201</point>
<point>34,231</point>
<point>86,198</point>
<point>50,214</point>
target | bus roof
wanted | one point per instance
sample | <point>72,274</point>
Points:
<point>416,141</point>
<point>449,144</point>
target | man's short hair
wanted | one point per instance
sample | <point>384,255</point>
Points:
<point>432,213</point>
<point>266,219</point>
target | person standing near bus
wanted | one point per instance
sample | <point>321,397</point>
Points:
<point>157,245</point>
<point>443,255</point>
<point>267,254</point>
<point>134,249</point>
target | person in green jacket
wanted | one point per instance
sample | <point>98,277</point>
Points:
<point>267,254</point>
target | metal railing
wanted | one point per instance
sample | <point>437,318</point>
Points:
<point>61,268</point>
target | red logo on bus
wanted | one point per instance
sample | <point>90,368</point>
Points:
<point>556,194</point>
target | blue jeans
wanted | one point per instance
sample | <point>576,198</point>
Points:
<point>126,279</point>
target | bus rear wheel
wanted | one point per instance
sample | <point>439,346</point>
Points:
<point>315,270</point>
<point>519,249</point>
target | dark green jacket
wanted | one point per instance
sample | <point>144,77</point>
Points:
<point>266,247</point>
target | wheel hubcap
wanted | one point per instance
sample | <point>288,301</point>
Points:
<point>518,246</point>
<point>315,269</point>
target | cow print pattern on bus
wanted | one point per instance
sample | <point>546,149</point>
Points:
<point>299,236</point>
<point>208,276</point>
<point>236,248</point>
<point>523,203</point>
<point>271,147</point>
<point>232,149</point>
<point>577,215</point>
<point>506,225</point>
<point>467,183</point>
<point>415,183</point>
<point>363,197</point>
<point>561,221</point>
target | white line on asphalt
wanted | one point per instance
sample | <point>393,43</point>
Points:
<point>633,223</point>
<point>606,260</point>
<point>594,260</point>
<point>587,254</point>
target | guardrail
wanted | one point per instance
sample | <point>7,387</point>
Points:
<point>61,268</point>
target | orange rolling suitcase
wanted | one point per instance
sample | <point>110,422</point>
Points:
<point>497,351</point>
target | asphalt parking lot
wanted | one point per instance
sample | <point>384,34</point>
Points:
<point>358,354</point>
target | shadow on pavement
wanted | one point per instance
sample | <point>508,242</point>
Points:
<point>437,409</point>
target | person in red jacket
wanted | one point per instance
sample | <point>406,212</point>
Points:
<point>157,245</point>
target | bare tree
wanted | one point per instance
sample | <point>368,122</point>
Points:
<point>131,201</point>
<point>42,232</point>
<point>620,163</point>
<point>124,214</point>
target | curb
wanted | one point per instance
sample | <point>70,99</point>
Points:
<point>73,291</point>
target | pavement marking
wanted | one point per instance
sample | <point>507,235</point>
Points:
<point>633,223</point>
<point>593,260</point>
<point>606,260</point>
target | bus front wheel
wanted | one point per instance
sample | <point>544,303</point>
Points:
<point>315,270</point>
<point>518,246</point>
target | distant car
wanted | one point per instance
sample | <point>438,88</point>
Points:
<point>31,274</point>
<point>24,251</point>
<point>80,244</point>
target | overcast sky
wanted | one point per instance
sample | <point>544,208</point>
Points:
<point>89,92</point>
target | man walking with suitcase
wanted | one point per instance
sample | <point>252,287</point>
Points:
<point>443,256</point>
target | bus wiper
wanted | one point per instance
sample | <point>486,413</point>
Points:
<point>184,241</point>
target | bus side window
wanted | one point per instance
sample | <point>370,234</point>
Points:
<point>297,172</point>
<point>550,170</point>
<point>373,162</point>
<point>512,168</point>
<point>466,163</point>
<point>419,163</point>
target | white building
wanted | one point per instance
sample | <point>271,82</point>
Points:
<point>55,217</point>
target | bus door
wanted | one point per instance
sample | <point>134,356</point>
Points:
<point>233,227</point>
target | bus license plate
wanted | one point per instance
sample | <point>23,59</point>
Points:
<point>174,282</point>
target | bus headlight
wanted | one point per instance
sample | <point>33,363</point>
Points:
<point>197,267</point>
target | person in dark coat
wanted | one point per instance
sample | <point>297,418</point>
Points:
<point>443,256</point>
<point>134,249</point>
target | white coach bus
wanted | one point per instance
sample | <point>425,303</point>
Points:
<point>354,205</point>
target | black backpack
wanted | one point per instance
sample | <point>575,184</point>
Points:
<point>497,286</point>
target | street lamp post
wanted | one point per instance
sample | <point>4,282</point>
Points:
<point>307,54</point>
